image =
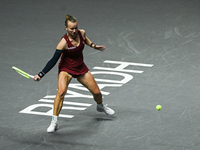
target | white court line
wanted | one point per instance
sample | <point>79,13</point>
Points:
<point>122,66</point>
<point>45,114</point>
<point>134,64</point>
<point>50,96</point>
<point>114,69</point>
<point>66,102</point>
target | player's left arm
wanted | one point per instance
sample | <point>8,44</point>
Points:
<point>89,43</point>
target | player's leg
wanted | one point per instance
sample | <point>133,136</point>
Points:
<point>89,82</point>
<point>63,82</point>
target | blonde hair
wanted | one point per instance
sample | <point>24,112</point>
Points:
<point>69,18</point>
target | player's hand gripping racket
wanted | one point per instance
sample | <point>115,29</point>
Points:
<point>26,75</point>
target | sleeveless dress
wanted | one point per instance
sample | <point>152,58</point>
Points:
<point>72,58</point>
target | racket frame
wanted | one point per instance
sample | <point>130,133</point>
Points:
<point>21,72</point>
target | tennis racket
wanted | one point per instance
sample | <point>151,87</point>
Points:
<point>24,74</point>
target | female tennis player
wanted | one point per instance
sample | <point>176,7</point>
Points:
<point>72,66</point>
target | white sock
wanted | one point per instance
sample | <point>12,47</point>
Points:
<point>54,119</point>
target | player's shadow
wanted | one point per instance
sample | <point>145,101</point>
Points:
<point>99,119</point>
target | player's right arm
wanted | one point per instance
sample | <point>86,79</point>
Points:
<point>51,63</point>
<point>62,44</point>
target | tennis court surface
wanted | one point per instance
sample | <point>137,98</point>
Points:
<point>151,57</point>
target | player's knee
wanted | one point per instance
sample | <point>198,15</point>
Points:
<point>61,94</point>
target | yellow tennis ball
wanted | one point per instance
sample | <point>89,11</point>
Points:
<point>158,107</point>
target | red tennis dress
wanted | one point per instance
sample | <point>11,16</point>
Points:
<point>72,58</point>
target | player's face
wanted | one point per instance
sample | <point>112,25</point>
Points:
<point>72,28</point>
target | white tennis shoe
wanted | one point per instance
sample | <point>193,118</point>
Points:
<point>53,127</point>
<point>105,109</point>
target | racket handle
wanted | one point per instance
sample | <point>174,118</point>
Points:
<point>33,77</point>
